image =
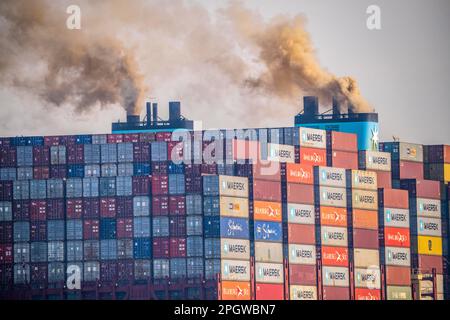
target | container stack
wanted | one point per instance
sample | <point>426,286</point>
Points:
<point>227,237</point>
<point>300,242</point>
<point>380,163</point>
<point>426,230</point>
<point>363,236</point>
<point>312,148</point>
<point>332,232</point>
<point>342,150</point>
<point>395,252</point>
<point>437,162</point>
<point>6,235</point>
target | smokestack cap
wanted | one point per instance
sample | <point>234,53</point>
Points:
<point>133,118</point>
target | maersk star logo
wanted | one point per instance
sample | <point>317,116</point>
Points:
<point>375,138</point>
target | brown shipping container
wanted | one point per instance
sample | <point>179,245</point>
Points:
<point>300,193</point>
<point>266,190</point>
<point>427,263</point>
<point>365,219</point>
<point>384,179</point>
<point>301,233</point>
<point>302,274</point>
<point>336,293</point>
<point>343,159</point>
<point>411,170</point>
<point>343,141</point>
<point>267,171</point>
<point>398,276</point>
<point>367,239</point>
<point>395,198</point>
<point>428,189</point>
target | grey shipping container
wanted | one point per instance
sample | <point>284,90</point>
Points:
<point>125,169</point>
<point>5,211</point>
<point>24,173</point>
<point>75,250</point>
<point>109,170</point>
<point>70,269</point>
<point>194,246</point>
<point>108,249</point>
<point>21,190</point>
<point>124,186</point>
<point>212,268</point>
<point>8,174</point>
<point>107,187</point>
<point>58,155</point>
<point>91,271</point>
<point>141,227</point>
<point>159,151</point>
<point>124,152</point>
<point>91,154</point>
<point>91,250</point>
<point>195,267</point>
<point>194,225</point>
<point>55,251</point>
<point>161,268</point>
<point>74,188</point>
<point>212,248</point>
<point>92,170</point>
<point>160,226</point>
<point>21,273</point>
<point>24,156</point>
<point>211,206</point>
<point>176,184</point>
<point>21,252</point>
<point>142,269</point>
<point>55,188</point>
<point>74,229</point>
<point>56,272</point>
<point>55,230</point>
<point>141,206</point>
<point>99,139</point>
<point>109,153</point>
<point>38,189</point>
<point>125,249</point>
<point>194,204</point>
<point>38,251</point>
<point>21,231</point>
<point>90,187</point>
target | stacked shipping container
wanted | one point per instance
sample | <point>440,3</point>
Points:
<point>380,163</point>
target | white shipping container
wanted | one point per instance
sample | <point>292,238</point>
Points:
<point>365,180</point>
<point>368,278</point>
<point>398,218</point>
<point>235,249</point>
<point>332,177</point>
<point>235,270</point>
<point>302,254</point>
<point>335,276</point>
<point>375,160</point>
<point>428,208</point>
<point>333,197</point>
<point>313,138</point>
<point>280,153</point>
<point>234,207</point>
<point>363,199</point>
<point>429,227</point>
<point>233,186</point>
<point>334,236</point>
<point>269,272</point>
<point>268,252</point>
<point>302,292</point>
<point>364,258</point>
<point>301,213</point>
<point>397,256</point>
<point>411,152</point>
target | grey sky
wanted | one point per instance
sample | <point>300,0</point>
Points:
<point>403,70</point>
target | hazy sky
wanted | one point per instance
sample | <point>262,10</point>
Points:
<point>403,70</point>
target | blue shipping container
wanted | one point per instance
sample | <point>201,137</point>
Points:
<point>226,227</point>
<point>141,169</point>
<point>268,231</point>
<point>75,171</point>
<point>107,228</point>
<point>142,248</point>
<point>84,139</point>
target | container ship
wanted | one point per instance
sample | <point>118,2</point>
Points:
<point>157,210</point>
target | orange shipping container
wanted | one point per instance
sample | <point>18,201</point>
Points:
<point>331,216</point>
<point>365,219</point>
<point>299,173</point>
<point>267,211</point>
<point>300,193</point>
<point>367,294</point>
<point>384,179</point>
<point>235,290</point>
<point>335,256</point>
<point>398,276</point>
<point>343,141</point>
<point>394,198</point>
<point>396,237</point>
<point>312,156</point>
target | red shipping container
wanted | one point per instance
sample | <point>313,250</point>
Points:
<point>160,167</point>
<point>266,171</point>
<point>367,239</point>
<point>335,293</point>
<point>164,136</point>
<point>41,173</point>
<point>131,137</point>
<point>384,179</point>
<point>209,168</point>
<point>267,190</point>
<point>114,138</point>
<point>39,273</point>
<point>124,207</point>
<point>90,229</point>
<point>335,256</point>
<point>141,186</point>
<point>8,157</point>
<point>108,271</point>
<point>74,208</point>
<point>301,233</point>
<point>6,253</point>
<point>410,170</point>
<point>55,209</point>
<point>38,231</point>
<point>147,137</point>
<point>342,141</point>
<point>160,184</point>
<point>424,189</point>
<point>175,150</point>
<point>302,274</point>
<point>161,247</point>
<point>177,226</point>
<point>58,172</point>
<point>75,154</point>
<point>91,208</point>
<point>6,232</point>
<point>125,228</point>
<point>177,205</point>
<point>268,291</point>
<point>107,207</point>
<point>41,156</point>
<point>67,140</point>
<point>299,173</point>
<point>313,156</point>
<point>160,205</point>
<point>125,270</point>
<point>51,141</point>
<point>396,237</point>
<point>300,193</point>
<point>367,294</point>
<point>394,198</point>
<point>426,263</point>
<point>177,247</point>
<point>141,152</point>
<point>398,276</point>
<point>21,209</point>
<point>6,190</point>
<point>38,210</point>
<point>344,159</point>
